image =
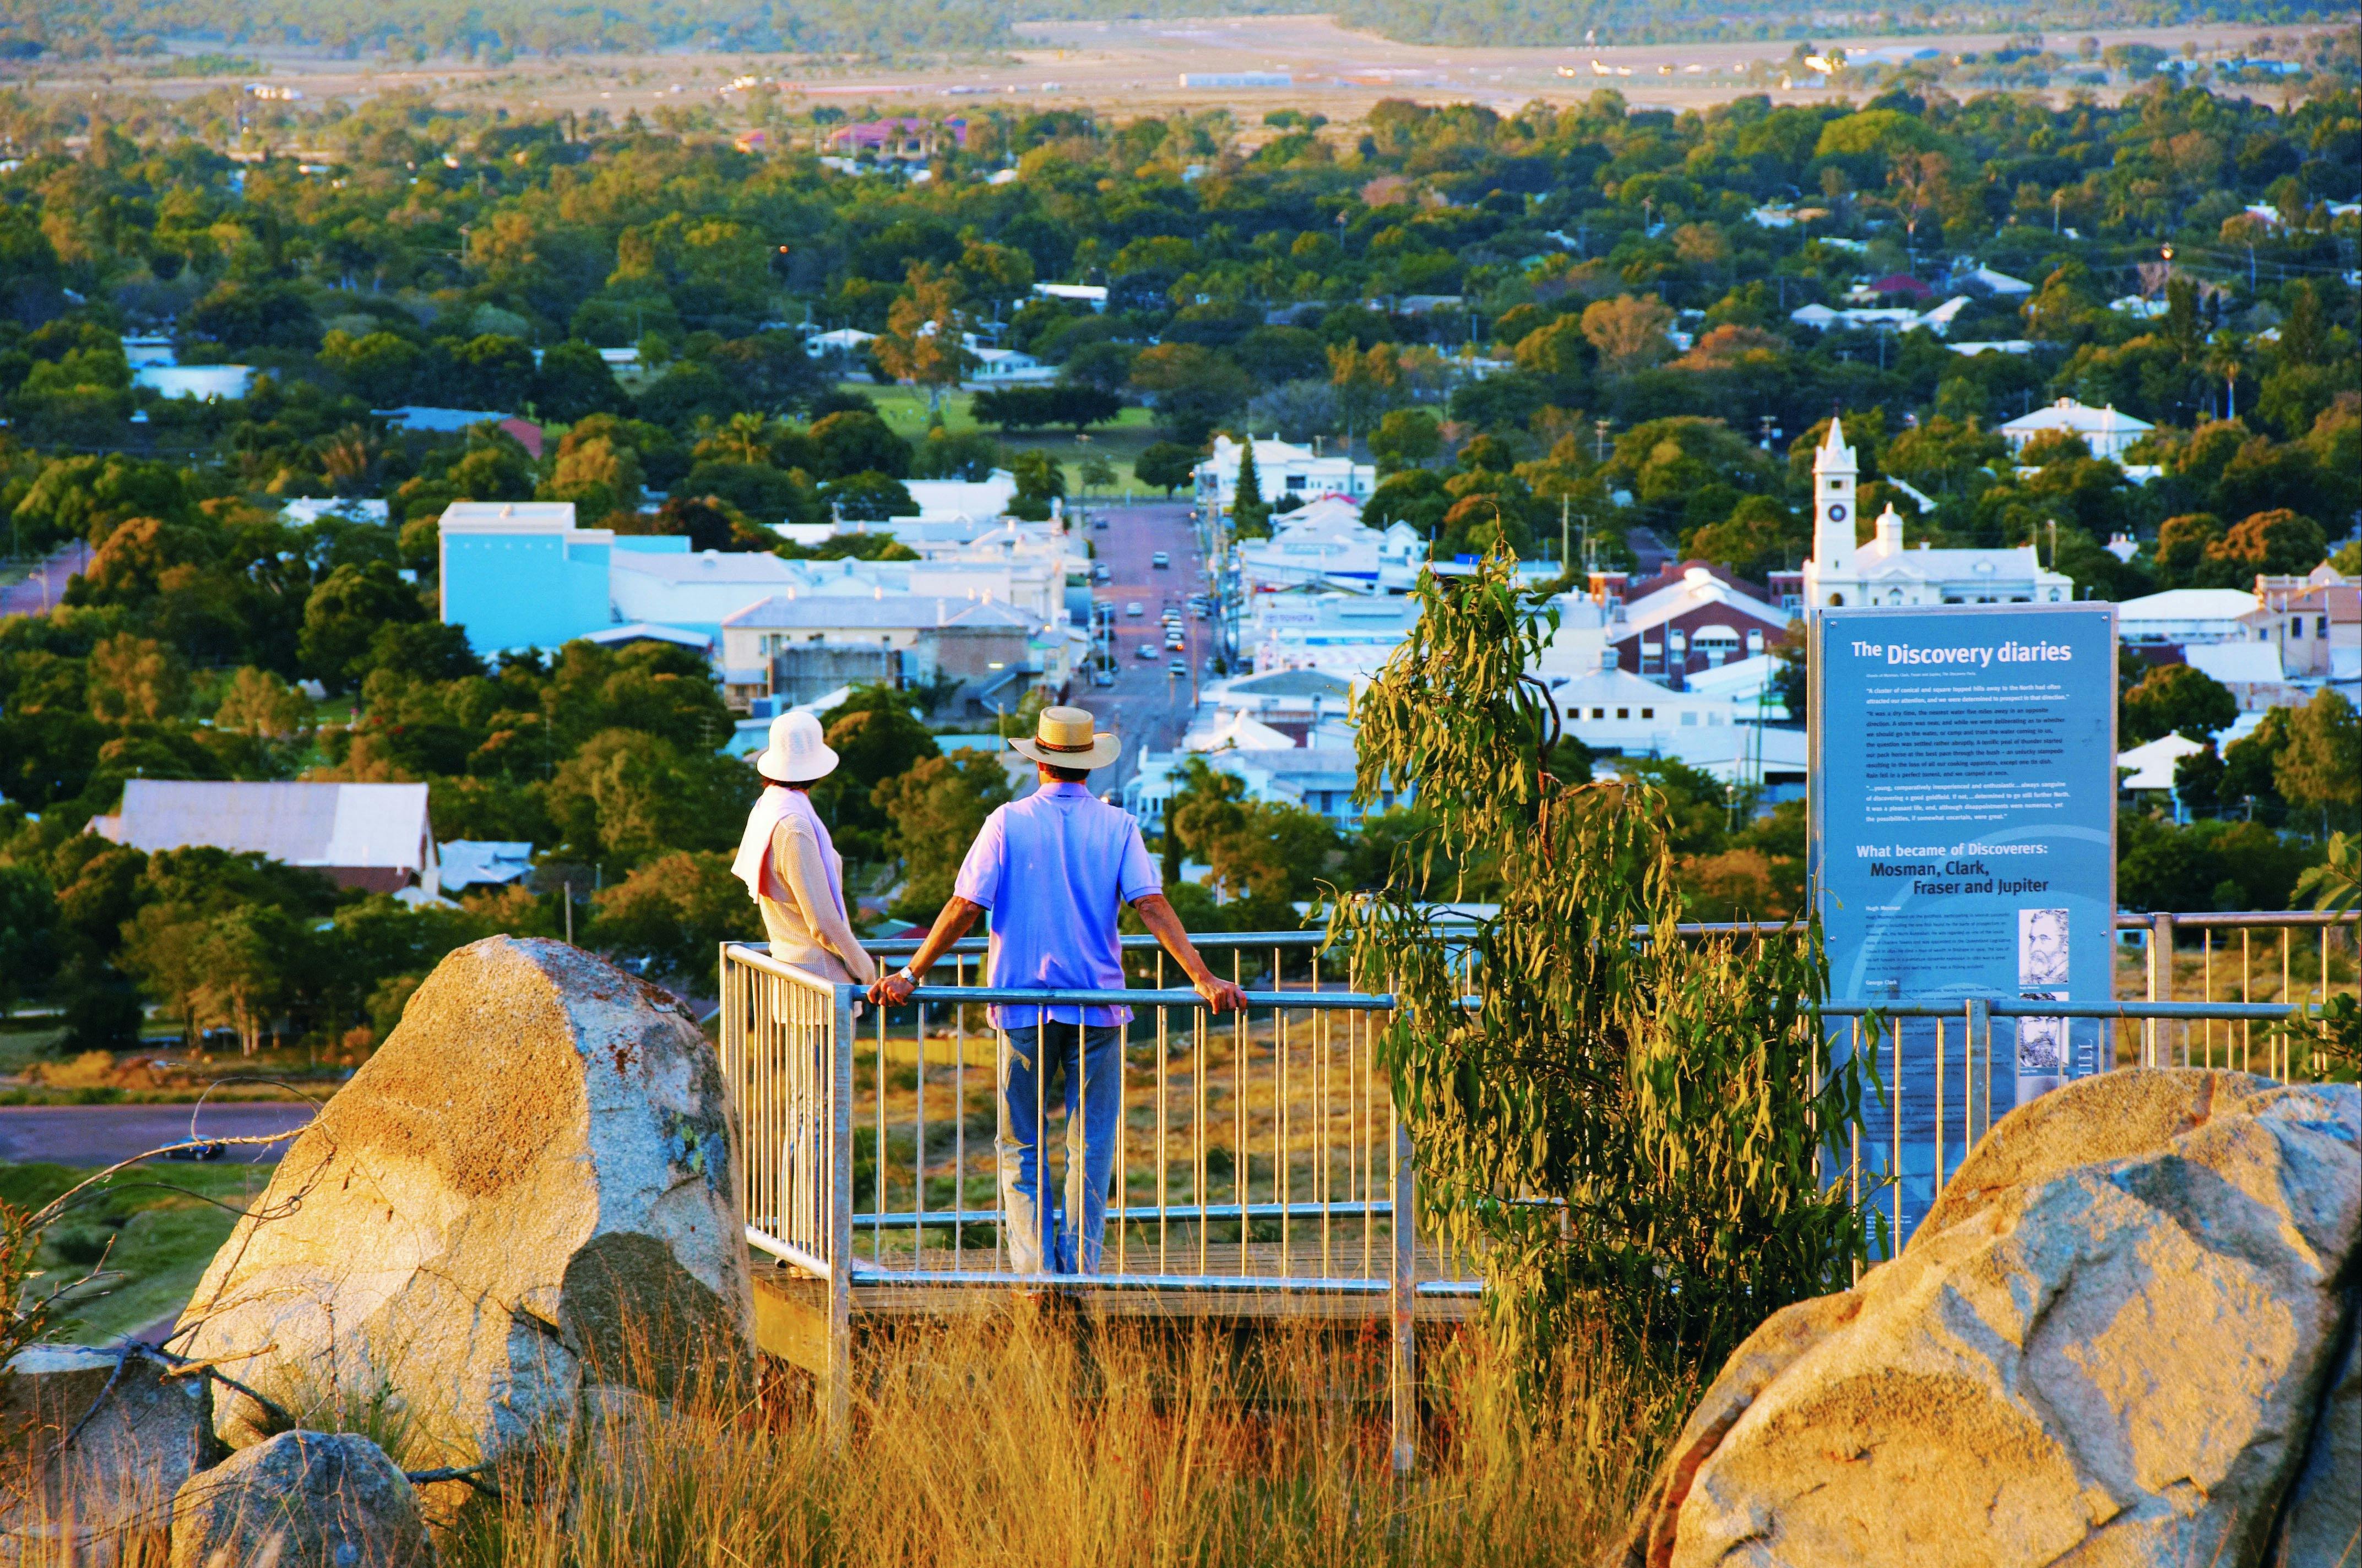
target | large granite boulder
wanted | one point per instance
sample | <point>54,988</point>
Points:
<point>302,1500</point>
<point>2122,1337</point>
<point>93,1445</point>
<point>524,1194</point>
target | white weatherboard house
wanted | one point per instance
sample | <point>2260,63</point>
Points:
<point>374,837</point>
<point>1884,573</point>
<point>1325,544</point>
<point>2187,615</point>
<point>2104,430</point>
<point>1282,468</point>
<point>202,383</point>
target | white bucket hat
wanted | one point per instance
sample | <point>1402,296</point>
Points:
<point>1067,738</point>
<point>797,754</point>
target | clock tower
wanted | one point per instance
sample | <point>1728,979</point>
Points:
<point>1834,472</point>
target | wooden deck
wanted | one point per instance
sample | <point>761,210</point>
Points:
<point>791,1307</point>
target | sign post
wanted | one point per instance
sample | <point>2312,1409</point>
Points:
<point>1962,842</point>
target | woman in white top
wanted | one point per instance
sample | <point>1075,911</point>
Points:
<point>789,867</point>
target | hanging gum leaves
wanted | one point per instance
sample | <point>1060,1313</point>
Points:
<point>1621,1124</point>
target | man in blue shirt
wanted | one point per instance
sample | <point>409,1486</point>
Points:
<point>1054,869</point>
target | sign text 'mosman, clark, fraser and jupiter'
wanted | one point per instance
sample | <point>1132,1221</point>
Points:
<point>1966,655</point>
<point>1965,871</point>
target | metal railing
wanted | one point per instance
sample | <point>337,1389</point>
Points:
<point>1261,1153</point>
<point>1256,1153</point>
<point>1943,1078</point>
<point>785,1046</point>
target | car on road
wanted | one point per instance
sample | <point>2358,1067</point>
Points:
<point>1176,640</point>
<point>1178,667</point>
<point>1103,675</point>
<point>1099,522</point>
<point>1147,650</point>
<point>1099,573</point>
<point>1135,607</point>
<point>1161,560</point>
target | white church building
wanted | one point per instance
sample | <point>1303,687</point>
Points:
<point>1883,572</point>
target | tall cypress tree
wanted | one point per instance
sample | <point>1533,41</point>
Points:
<point>1247,512</point>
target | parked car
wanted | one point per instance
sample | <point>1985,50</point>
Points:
<point>1147,652</point>
<point>1103,675</point>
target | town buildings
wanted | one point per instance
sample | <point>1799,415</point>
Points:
<point>2314,622</point>
<point>2179,617</point>
<point>1691,618</point>
<point>1325,544</point>
<point>525,575</point>
<point>1884,572</point>
<point>787,643</point>
<point>1282,468</point>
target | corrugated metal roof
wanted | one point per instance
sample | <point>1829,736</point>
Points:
<point>323,824</point>
<point>889,612</point>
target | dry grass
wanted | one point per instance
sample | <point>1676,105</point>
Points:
<point>1026,1439</point>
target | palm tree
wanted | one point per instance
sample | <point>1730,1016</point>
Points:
<point>348,457</point>
<point>2222,361</point>
<point>751,432</point>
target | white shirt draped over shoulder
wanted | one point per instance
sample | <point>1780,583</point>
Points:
<point>797,880</point>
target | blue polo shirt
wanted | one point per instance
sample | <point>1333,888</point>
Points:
<point>1054,869</point>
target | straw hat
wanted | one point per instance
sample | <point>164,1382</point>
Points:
<point>797,754</point>
<point>1062,738</point>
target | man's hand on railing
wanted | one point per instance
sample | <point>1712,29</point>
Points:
<point>1156,913</point>
<point>1221,994</point>
<point>894,989</point>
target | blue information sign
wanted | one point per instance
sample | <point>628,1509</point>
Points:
<point>1963,836</point>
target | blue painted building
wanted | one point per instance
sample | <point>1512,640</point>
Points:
<point>520,575</point>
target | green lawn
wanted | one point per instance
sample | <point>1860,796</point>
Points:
<point>21,1046</point>
<point>164,1233</point>
<point>905,408</point>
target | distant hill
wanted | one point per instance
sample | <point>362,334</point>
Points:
<point>45,29</point>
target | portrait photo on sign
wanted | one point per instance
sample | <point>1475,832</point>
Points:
<point>2041,1042</point>
<point>2042,947</point>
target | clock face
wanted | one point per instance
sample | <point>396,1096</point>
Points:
<point>1836,512</point>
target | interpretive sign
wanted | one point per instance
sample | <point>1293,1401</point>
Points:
<point>1963,830</point>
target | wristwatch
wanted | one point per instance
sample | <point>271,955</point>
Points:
<point>904,973</point>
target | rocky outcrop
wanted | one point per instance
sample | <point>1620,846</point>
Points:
<point>302,1500</point>
<point>93,1445</point>
<point>2322,1525</point>
<point>2124,1335</point>
<point>527,1192</point>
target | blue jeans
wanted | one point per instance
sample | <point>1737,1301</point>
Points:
<point>1026,1098</point>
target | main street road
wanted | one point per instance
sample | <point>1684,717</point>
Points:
<point>1146,706</point>
<point>103,1135</point>
<point>44,588</point>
